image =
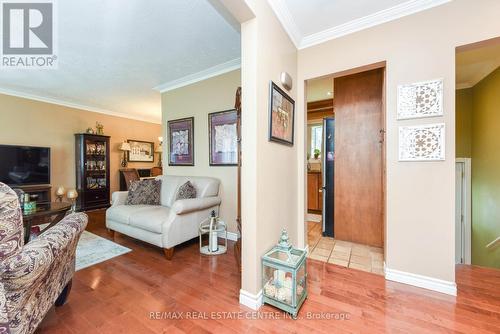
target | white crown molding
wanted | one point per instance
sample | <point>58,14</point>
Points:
<point>430,283</point>
<point>200,76</point>
<point>301,42</point>
<point>287,21</point>
<point>250,300</point>
<point>383,16</point>
<point>74,105</point>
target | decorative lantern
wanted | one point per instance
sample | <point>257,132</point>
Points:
<point>284,276</point>
<point>213,227</point>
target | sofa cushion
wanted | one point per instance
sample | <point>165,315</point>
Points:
<point>122,213</point>
<point>144,192</point>
<point>205,187</point>
<point>187,190</point>
<point>150,220</point>
<point>169,186</point>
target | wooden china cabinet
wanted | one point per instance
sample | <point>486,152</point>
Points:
<point>92,171</point>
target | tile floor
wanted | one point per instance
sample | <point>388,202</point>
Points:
<point>344,253</point>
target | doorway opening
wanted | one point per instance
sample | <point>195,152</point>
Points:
<point>477,208</point>
<point>346,168</point>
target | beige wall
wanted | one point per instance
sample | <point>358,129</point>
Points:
<point>420,196</point>
<point>269,169</point>
<point>29,122</point>
<point>198,100</point>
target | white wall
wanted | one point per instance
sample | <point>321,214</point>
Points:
<point>269,169</point>
<point>198,100</point>
<point>420,195</point>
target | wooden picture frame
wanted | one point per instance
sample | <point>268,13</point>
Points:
<point>141,151</point>
<point>281,116</point>
<point>181,142</point>
<point>223,138</point>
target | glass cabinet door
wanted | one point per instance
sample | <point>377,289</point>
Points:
<point>95,164</point>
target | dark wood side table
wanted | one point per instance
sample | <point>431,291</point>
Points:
<point>52,212</point>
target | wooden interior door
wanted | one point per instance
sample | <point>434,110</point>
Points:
<point>358,176</point>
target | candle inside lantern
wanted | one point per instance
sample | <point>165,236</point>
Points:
<point>279,277</point>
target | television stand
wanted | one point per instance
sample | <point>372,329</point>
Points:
<point>43,193</point>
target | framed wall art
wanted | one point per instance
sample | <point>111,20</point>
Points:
<point>281,115</point>
<point>422,142</point>
<point>419,100</point>
<point>141,151</point>
<point>181,142</point>
<point>223,138</point>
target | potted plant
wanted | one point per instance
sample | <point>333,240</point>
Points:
<point>317,152</point>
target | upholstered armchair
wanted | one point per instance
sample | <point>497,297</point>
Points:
<point>37,275</point>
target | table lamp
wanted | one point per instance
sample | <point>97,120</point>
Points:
<point>159,151</point>
<point>125,147</point>
<point>60,193</point>
<point>72,195</point>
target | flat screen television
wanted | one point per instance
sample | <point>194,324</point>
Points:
<point>24,165</point>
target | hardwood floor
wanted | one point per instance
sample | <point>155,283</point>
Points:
<point>117,296</point>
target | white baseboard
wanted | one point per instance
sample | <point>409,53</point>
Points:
<point>250,300</point>
<point>421,281</point>
<point>230,236</point>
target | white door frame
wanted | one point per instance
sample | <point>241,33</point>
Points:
<point>467,206</point>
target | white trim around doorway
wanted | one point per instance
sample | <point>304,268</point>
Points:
<point>467,200</point>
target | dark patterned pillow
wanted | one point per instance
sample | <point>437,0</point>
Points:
<point>187,190</point>
<point>144,192</point>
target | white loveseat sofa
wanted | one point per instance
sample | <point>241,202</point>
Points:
<point>171,223</point>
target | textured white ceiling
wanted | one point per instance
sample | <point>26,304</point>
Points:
<point>313,16</point>
<point>474,65</point>
<point>113,52</point>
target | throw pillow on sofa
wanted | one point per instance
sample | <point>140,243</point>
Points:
<point>144,192</point>
<point>187,190</point>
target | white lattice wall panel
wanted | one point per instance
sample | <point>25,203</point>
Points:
<point>422,143</point>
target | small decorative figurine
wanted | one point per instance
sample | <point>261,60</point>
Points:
<point>99,128</point>
<point>90,131</point>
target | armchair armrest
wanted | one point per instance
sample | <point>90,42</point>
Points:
<point>4,316</point>
<point>23,268</point>
<point>183,206</point>
<point>34,260</point>
<point>119,198</point>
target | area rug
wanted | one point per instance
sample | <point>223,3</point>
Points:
<point>93,249</point>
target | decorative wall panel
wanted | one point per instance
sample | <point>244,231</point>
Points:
<point>422,143</point>
<point>418,100</point>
